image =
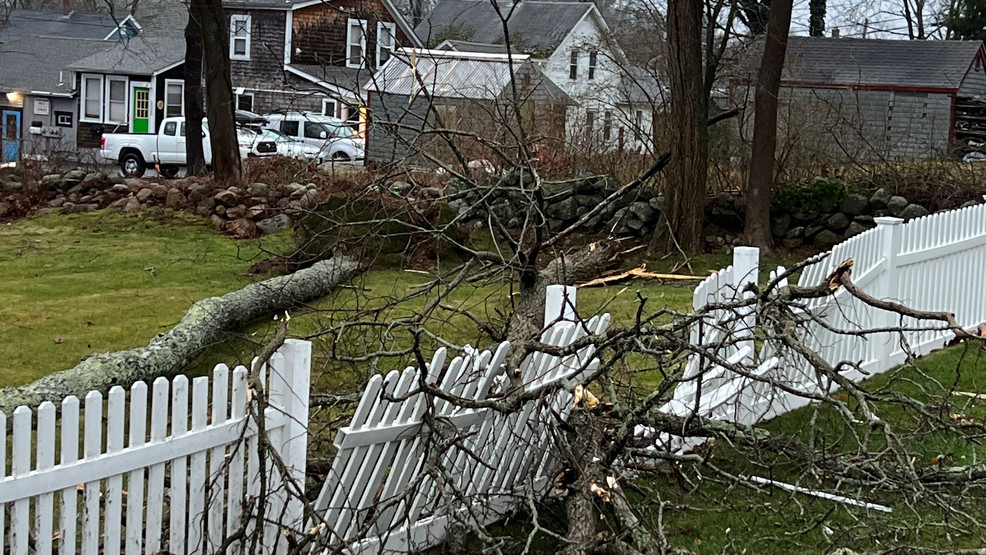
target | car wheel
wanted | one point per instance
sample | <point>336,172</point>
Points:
<point>132,165</point>
<point>168,172</point>
<point>340,157</point>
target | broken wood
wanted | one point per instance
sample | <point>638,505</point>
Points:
<point>170,352</point>
<point>636,273</point>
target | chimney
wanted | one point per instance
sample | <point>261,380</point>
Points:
<point>68,6</point>
<point>835,30</point>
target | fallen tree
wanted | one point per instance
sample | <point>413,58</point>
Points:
<point>203,325</point>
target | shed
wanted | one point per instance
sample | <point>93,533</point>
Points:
<point>419,92</point>
<point>871,100</point>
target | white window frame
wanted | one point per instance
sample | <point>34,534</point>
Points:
<point>233,20</point>
<point>392,28</point>
<point>362,43</point>
<point>107,100</point>
<point>83,116</point>
<point>167,83</point>
<point>327,102</point>
<point>593,64</point>
<point>573,65</point>
<point>238,95</point>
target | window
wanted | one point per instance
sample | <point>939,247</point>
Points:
<point>356,43</point>
<point>289,128</point>
<point>169,128</point>
<point>314,130</point>
<point>573,65</point>
<point>116,100</point>
<point>92,95</point>
<point>174,98</point>
<point>328,107</point>
<point>182,132</point>
<point>607,125</point>
<point>244,101</point>
<point>239,37</point>
<point>590,118</point>
<point>592,64</point>
<point>385,42</point>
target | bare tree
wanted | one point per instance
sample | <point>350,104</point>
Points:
<point>194,111</point>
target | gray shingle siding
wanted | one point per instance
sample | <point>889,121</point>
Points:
<point>974,83</point>
<point>266,64</point>
<point>395,126</point>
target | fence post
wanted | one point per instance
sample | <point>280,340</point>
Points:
<point>559,304</point>
<point>290,383</point>
<point>890,230</point>
<point>746,269</point>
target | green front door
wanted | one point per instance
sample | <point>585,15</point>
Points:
<point>141,110</point>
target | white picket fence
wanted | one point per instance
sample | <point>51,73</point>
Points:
<point>150,472</point>
<point>931,263</point>
<point>411,464</point>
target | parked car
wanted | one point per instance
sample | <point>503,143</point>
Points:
<point>332,135</point>
<point>166,150</point>
<point>292,148</point>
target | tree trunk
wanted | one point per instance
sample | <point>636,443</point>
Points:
<point>688,169</point>
<point>170,352</point>
<point>219,91</point>
<point>757,232</point>
<point>194,112</point>
<point>584,450</point>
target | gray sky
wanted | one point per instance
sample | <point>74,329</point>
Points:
<point>885,17</point>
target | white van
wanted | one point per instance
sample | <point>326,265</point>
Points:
<point>332,135</point>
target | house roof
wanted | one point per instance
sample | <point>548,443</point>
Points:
<point>640,86</point>
<point>876,62</point>
<point>346,80</point>
<point>138,56</point>
<point>534,26</point>
<point>165,19</point>
<point>448,74</point>
<point>25,23</point>
<point>33,64</point>
<point>465,46</point>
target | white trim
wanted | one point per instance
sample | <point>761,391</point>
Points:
<point>288,27</point>
<point>381,25</point>
<point>236,100</point>
<point>335,106</point>
<point>345,93</point>
<point>362,43</point>
<point>166,68</point>
<point>49,93</point>
<point>424,52</point>
<point>181,83</point>
<point>233,20</point>
<point>107,82</point>
<point>83,89</point>
<point>131,19</point>
<point>150,104</point>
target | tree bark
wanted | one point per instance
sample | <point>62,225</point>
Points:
<point>219,91</point>
<point>170,352</point>
<point>757,230</point>
<point>584,450</point>
<point>194,111</point>
<point>816,18</point>
<point>688,168</point>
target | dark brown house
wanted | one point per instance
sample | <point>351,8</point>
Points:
<point>310,55</point>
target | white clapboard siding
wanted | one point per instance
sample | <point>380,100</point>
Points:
<point>378,499</point>
<point>929,263</point>
<point>143,487</point>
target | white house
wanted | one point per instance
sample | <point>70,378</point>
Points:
<point>570,41</point>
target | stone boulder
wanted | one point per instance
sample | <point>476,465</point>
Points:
<point>912,211</point>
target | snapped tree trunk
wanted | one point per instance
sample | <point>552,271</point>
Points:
<point>757,230</point>
<point>219,91</point>
<point>203,325</point>
<point>194,112</point>
<point>688,168</point>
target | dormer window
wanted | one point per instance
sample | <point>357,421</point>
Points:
<point>126,30</point>
<point>239,37</point>
<point>356,43</point>
<point>385,42</point>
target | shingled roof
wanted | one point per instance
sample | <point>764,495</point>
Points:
<point>872,62</point>
<point>139,56</point>
<point>35,63</point>
<point>26,23</point>
<point>534,26</point>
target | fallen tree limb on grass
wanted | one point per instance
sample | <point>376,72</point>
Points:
<point>170,352</point>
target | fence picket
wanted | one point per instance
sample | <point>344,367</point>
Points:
<point>67,537</point>
<point>44,511</point>
<point>197,469</point>
<point>3,474</point>
<point>135,481</point>
<point>92,447</point>
<point>215,490</point>
<point>155,474</point>
<point>234,509</point>
<point>20,518</point>
<point>178,503</point>
<point>112,515</point>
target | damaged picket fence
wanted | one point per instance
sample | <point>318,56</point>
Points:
<point>929,263</point>
<point>179,469</point>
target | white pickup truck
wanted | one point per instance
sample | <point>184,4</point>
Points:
<point>166,150</point>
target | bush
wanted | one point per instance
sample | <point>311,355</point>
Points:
<point>807,197</point>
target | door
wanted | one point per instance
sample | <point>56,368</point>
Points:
<point>141,106</point>
<point>10,136</point>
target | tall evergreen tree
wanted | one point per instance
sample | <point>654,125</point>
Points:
<point>967,20</point>
<point>816,18</point>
